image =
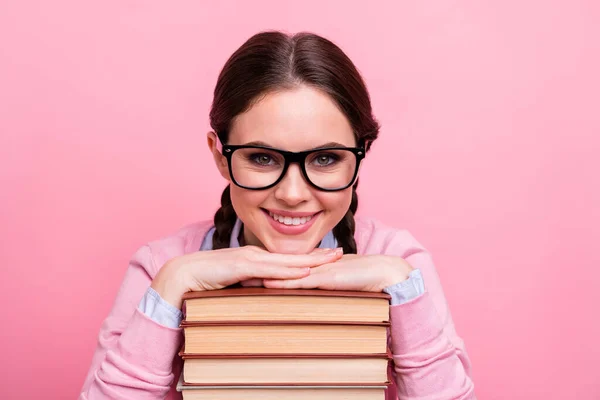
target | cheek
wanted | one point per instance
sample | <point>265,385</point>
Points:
<point>247,201</point>
<point>336,205</point>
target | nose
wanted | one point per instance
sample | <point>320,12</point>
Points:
<point>293,189</point>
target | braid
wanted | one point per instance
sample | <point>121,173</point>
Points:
<point>344,230</point>
<point>224,220</point>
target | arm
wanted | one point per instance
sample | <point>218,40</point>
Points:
<point>137,341</point>
<point>429,357</point>
<point>134,355</point>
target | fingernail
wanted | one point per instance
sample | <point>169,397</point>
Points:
<point>337,252</point>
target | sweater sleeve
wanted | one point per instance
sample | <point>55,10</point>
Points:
<point>429,358</point>
<point>134,355</point>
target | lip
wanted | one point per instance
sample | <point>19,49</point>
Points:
<point>292,213</point>
<point>291,229</point>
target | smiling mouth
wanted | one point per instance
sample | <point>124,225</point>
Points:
<point>291,221</point>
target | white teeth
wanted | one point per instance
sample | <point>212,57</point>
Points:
<point>290,220</point>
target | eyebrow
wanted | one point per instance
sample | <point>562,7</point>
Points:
<point>326,145</point>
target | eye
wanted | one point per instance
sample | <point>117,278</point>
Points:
<point>325,159</point>
<point>261,158</point>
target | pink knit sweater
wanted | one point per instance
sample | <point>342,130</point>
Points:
<point>136,357</point>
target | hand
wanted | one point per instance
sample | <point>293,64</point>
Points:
<point>216,269</point>
<point>259,282</point>
<point>371,273</point>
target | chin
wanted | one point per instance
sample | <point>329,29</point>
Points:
<point>290,246</point>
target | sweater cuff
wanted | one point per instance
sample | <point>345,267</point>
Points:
<point>414,324</point>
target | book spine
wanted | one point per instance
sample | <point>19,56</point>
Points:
<point>190,324</point>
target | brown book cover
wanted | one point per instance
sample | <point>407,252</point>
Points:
<point>185,355</point>
<point>321,383</point>
<point>260,304</point>
<point>317,384</point>
<point>268,379</point>
<point>288,392</point>
<point>191,324</point>
<point>290,338</point>
<point>260,291</point>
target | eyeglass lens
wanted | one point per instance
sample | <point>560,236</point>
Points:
<point>327,169</point>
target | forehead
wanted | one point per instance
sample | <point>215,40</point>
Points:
<point>295,120</point>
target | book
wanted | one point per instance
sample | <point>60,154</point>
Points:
<point>260,343</point>
<point>259,304</point>
<point>291,337</point>
<point>288,393</point>
<point>311,369</point>
<point>281,392</point>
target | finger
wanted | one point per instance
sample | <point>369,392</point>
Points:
<point>273,272</point>
<point>321,250</point>
<point>315,280</point>
<point>299,260</point>
<point>308,282</point>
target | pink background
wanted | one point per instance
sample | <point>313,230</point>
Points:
<point>488,154</point>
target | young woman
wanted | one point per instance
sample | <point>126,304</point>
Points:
<point>291,121</point>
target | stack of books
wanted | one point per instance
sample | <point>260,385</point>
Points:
<point>258,343</point>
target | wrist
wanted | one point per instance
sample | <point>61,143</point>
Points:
<point>399,271</point>
<point>169,283</point>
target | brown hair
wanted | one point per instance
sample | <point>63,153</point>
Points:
<point>270,61</point>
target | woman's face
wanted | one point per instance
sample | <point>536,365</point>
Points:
<point>294,120</point>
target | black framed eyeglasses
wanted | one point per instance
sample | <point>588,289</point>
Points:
<point>259,167</point>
